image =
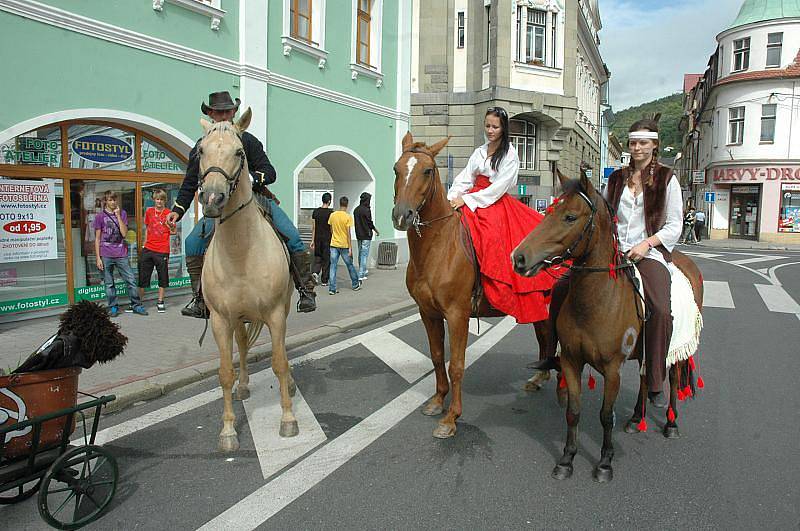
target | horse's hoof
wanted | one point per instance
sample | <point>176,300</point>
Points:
<point>289,428</point>
<point>632,427</point>
<point>562,472</point>
<point>292,388</point>
<point>228,443</point>
<point>671,432</point>
<point>242,393</point>
<point>444,431</point>
<point>603,473</point>
<point>537,381</point>
<point>432,408</point>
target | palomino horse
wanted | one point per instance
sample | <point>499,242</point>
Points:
<point>598,322</point>
<point>245,273</point>
<point>440,275</point>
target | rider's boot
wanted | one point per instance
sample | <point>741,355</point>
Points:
<point>196,307</point>
<point>301,263</point>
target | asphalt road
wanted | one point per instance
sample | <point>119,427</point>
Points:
<point>365,458</point>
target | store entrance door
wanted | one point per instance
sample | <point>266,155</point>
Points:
<point>744,214</point>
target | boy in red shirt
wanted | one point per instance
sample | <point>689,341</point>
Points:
<point>155,254</point>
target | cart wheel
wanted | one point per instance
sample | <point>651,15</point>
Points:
<point>77,487</point>
<point>17,494</point>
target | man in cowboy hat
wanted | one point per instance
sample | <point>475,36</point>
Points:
<point>222,108</point>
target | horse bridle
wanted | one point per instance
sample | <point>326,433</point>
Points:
<point>232,180</point>
<point>588,228</point>
<point>416,220</point>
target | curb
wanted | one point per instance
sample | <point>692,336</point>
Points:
<point>161,384</point>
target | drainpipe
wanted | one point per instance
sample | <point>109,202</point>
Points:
<point>791,120</point>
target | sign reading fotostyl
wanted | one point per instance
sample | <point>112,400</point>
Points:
<point>27,221</point>
<point>756,174</point>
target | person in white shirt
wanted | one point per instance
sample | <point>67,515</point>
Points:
<point>699,224</point>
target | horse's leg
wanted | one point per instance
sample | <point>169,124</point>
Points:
<point>435,330</point>
<point>671,427</point>
<point>603,471</point>
<point>640,409</point>
<point>280,366</point>
<point>543,333</point>
<point>458,327</point>
<point>243,387</point>
<point>223,334</point>
<point>572,375</point>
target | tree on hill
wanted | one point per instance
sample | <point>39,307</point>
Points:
<point>671,109</point>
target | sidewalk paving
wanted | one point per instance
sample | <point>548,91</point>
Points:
<point>745,244</point>
<point>163,352</point>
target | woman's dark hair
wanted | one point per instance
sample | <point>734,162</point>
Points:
<point>502,149</point>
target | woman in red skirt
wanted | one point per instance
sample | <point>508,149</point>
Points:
<point>498,222</point>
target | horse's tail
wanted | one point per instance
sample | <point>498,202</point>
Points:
<point>253,331</point>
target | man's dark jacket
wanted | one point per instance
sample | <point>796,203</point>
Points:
<point>363,218</point>
<point>260,169</point>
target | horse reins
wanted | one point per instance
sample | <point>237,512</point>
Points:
<point>417,221</point>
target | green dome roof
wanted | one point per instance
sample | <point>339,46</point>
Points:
<point>760,10</point>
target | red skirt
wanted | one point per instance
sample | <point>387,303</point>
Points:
<point>496,230</point>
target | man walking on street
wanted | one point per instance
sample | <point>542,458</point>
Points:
<point>688,227</point>
<point>321,240</point>
<point>342,245</point>
<point>699,224</point>
<point>364,230</point>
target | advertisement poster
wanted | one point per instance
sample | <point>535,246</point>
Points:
<point>27,221</point>
<point>789,220</point>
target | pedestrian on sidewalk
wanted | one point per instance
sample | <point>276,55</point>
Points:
<point>321,240</point>
<point>699,224</point>
<point>364,229</point>
<point>196,245</point>
<point>688,227</point>
<point>155,254</point>
<point>111,250</point>
<point>221,108</point>
<point>342,245</point>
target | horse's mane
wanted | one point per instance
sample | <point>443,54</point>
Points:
<point>420,147</point>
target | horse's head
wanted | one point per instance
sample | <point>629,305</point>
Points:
<point>415,180</point>
<point>565,232</point>
<point>222,163</point>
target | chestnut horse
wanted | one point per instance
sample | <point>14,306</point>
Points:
<point>599,322</point>
<point>441,274</point>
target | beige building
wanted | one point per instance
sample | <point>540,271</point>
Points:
<point>539,59</point>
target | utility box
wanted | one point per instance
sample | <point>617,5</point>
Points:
<point>387,255</point>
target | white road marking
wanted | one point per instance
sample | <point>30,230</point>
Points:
<point>129,427</point>
<point>268,500</point>
<point>773,277</point>
<point>701,255</point>
<point>717,294</point>
<point>777,300</point>
<point>264,418</point>
<point>410,163</point>
<point>758,258</point>
<point>404,359</point>
<point>475,330</point>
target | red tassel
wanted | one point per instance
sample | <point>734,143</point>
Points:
<point>642,426</point>
<point>612,271</point>
<point>680,396</point>
<point>691,363</point>
<point>592,383</point>
<point>700,382</point>
<point>562,382</point>
<point>687,391</point>
<point>670,414</point>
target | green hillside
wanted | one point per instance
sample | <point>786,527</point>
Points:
<point>671,109</point>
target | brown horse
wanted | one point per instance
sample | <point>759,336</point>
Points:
<point>598,323</point>
<point>441,274</point>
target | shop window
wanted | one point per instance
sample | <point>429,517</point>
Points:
<point>789,220</point>
<point>37,148</point>
<point>522,135</point>
<point>178,276</point>
<point>32,245</point>
<point>158,159</point>
<point>100,147</point>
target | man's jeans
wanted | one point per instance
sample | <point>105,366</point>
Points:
<point>286,228</point>
<point>336,252</point>
<point>125,271</point>
<point>363,257</point>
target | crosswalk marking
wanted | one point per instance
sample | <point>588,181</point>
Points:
<point>717,294</point>
<point>757,258</point>
<point>404,359</point>
<point>701,255</point>
<point>777,300</point>
<point>476,330</point>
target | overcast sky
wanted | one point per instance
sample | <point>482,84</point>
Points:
<point>649,44</point>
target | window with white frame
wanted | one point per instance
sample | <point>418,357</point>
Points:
<point>768,122</point>
<point>460,30</point>
<point>774,45</point>
<point>300,20</point>
<point>522,135</point>
<point>363,23</point>
<point>741,54</point>
<point>736,125</point>
<point>366,43</point>
<point>533,38</point>
<point>304,28</point>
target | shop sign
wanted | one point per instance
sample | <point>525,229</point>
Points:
<point>541,205</point>
<point>757,174</point>
<point>35,303</point>
<point>33,151</point>
<point>744,189</point>
<point>157,160</point>
<point>699,177</point>
<point>95,293</point>
<point>102,149</point>
<point>27,221</point>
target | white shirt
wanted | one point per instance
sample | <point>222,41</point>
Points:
<point>632,228</point>
<point>480,163</point>
<point>700,217</point>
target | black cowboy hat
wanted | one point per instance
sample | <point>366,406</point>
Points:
<point>219,101</point>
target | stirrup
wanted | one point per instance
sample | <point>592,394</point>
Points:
<point>310,300</point>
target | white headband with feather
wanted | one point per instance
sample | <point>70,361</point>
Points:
<point>643,135</point>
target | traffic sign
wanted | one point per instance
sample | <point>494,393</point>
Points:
<point>710,197</point>
<point>522,189</point>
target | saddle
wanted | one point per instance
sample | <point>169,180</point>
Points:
<point>480,306</point>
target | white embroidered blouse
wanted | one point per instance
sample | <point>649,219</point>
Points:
<point>631,226</point>
<point>481,164</point>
